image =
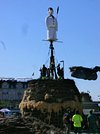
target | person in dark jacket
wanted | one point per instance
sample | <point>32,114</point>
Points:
<point>67,122</point>
<point>92,123</point>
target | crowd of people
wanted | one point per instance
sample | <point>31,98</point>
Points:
<point>48,73</point>
<point>79,122</point>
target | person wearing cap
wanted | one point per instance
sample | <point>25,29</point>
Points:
<point>52,25</point>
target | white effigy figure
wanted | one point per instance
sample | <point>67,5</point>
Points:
<point>52,25</point>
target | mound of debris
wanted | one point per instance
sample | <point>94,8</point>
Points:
<point>48,100</point>
<point>27,125</point>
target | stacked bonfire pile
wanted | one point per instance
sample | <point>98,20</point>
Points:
<point>26,125</point>
<point>48,100</point>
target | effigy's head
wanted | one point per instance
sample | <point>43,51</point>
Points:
<point>50,10</point>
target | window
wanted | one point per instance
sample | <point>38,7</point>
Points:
<point>5,85</point>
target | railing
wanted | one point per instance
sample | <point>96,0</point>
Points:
<point>16,79</point>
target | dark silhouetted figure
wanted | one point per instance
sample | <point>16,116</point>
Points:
<point>60,72</point>
<point>67,122</point>
<point>92,123</point>
<point>48,73</point>
<point>43,72</point>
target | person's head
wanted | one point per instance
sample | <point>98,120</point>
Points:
<point>58,65</point>
<point>65,114</point>
<point>50,10</point>
<point>77,112</point>
<point>91,112</point>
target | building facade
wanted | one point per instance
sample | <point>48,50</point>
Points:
<point>88,104</point>
<point>11,92</point>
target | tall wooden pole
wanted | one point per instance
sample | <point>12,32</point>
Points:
<point>52,62</point>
